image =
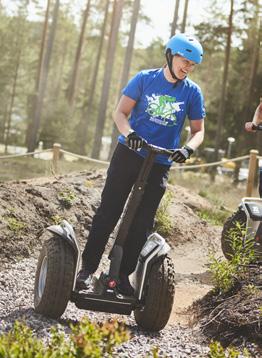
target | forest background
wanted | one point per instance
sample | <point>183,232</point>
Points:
<point>61,74</point>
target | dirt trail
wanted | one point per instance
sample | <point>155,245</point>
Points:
<point>193,280</point>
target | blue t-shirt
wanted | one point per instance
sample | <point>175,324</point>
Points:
<point>161,109</point>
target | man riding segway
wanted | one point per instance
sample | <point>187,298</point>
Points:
<point>157,102</point>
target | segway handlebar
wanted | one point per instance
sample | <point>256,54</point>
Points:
<point>156,149</point>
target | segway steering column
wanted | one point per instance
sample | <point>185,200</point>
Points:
<point>130,211</point>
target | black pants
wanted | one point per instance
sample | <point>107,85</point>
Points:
<point>121,176</point>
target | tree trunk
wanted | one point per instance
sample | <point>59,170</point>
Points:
<point>117,13</point>
<point>60,70</point>
<point>126,67</point>
<point>3,124</point>
<point>73,82</point>
<point>83,125</point>
<point>175,18</point>
<point>42,47</point>
<point>254,60</point>
<point>33,99</point>
<point>253,70</point>
<point>43,81</point>
<point>183,27</point>
<point>13,94</point>
<point>221,111</point>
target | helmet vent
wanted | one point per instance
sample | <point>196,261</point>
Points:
<point>188,50</point>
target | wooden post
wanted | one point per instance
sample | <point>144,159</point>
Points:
<point>251,171</point>
<point>56,156</point>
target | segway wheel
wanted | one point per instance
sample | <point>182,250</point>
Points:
<point>158,296</point>
<point>231,229</point>
<point>54,278</point>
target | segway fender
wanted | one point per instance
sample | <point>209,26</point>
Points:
<point>66,232</point>
<point>155,247</point>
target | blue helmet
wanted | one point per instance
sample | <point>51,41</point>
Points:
<point>186,46</point>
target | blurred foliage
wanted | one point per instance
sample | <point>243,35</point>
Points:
<point>87,340</point>
<point>218,351</point>
<point>21,33</point>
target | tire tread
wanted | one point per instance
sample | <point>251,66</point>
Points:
<point>159,298</point>
<point>59,279</point>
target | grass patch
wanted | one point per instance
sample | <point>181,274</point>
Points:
<point>214,217</point>
<point>15,225</point>
<point>67,198</point>
<point>56,219</point>
<point>29,167</point>
<point>222,192</point>
<point>163,223</point>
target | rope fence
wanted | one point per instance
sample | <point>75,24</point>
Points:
<point>92,160</point>
<point>57,151</point>
<point>213,164</point>
<point>9,156</point>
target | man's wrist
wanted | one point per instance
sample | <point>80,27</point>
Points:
<point>130,131</point>
<point>189,149</point>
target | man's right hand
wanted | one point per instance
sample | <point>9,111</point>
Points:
<point>134,141</point>
<point>249,127</point>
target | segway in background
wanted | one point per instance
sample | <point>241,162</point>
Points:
<point>153,279</point>
<point>245,224</point>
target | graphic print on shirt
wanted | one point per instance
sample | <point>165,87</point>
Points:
<point>162,109</point>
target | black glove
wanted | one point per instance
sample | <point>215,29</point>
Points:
<point>134,141</point>
<point>181,155</point>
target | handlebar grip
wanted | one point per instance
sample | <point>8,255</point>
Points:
<point>156,149</point>
<point>257,127</point>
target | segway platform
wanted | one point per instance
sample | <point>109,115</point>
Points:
<point>110,302</point>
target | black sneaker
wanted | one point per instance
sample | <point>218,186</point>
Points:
<point>124,287</point>
<point>83,280</point>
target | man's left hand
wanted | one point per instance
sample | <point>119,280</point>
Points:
<point>181,155</point>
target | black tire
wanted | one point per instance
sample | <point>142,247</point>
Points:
<point>54,277</point>
<point>231,226</point>
<point>159,296</point>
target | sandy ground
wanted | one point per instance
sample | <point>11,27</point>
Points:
<point>193,280</point>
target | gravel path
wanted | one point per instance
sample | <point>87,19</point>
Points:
<point>16,302</point>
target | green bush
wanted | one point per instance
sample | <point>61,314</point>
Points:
<point>67,198</point>
<point>217,351</point>
<point>87,340</point>
<point>225,273</point>
<point>20,342</point>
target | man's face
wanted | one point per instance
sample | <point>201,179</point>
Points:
<point>182,66</point>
